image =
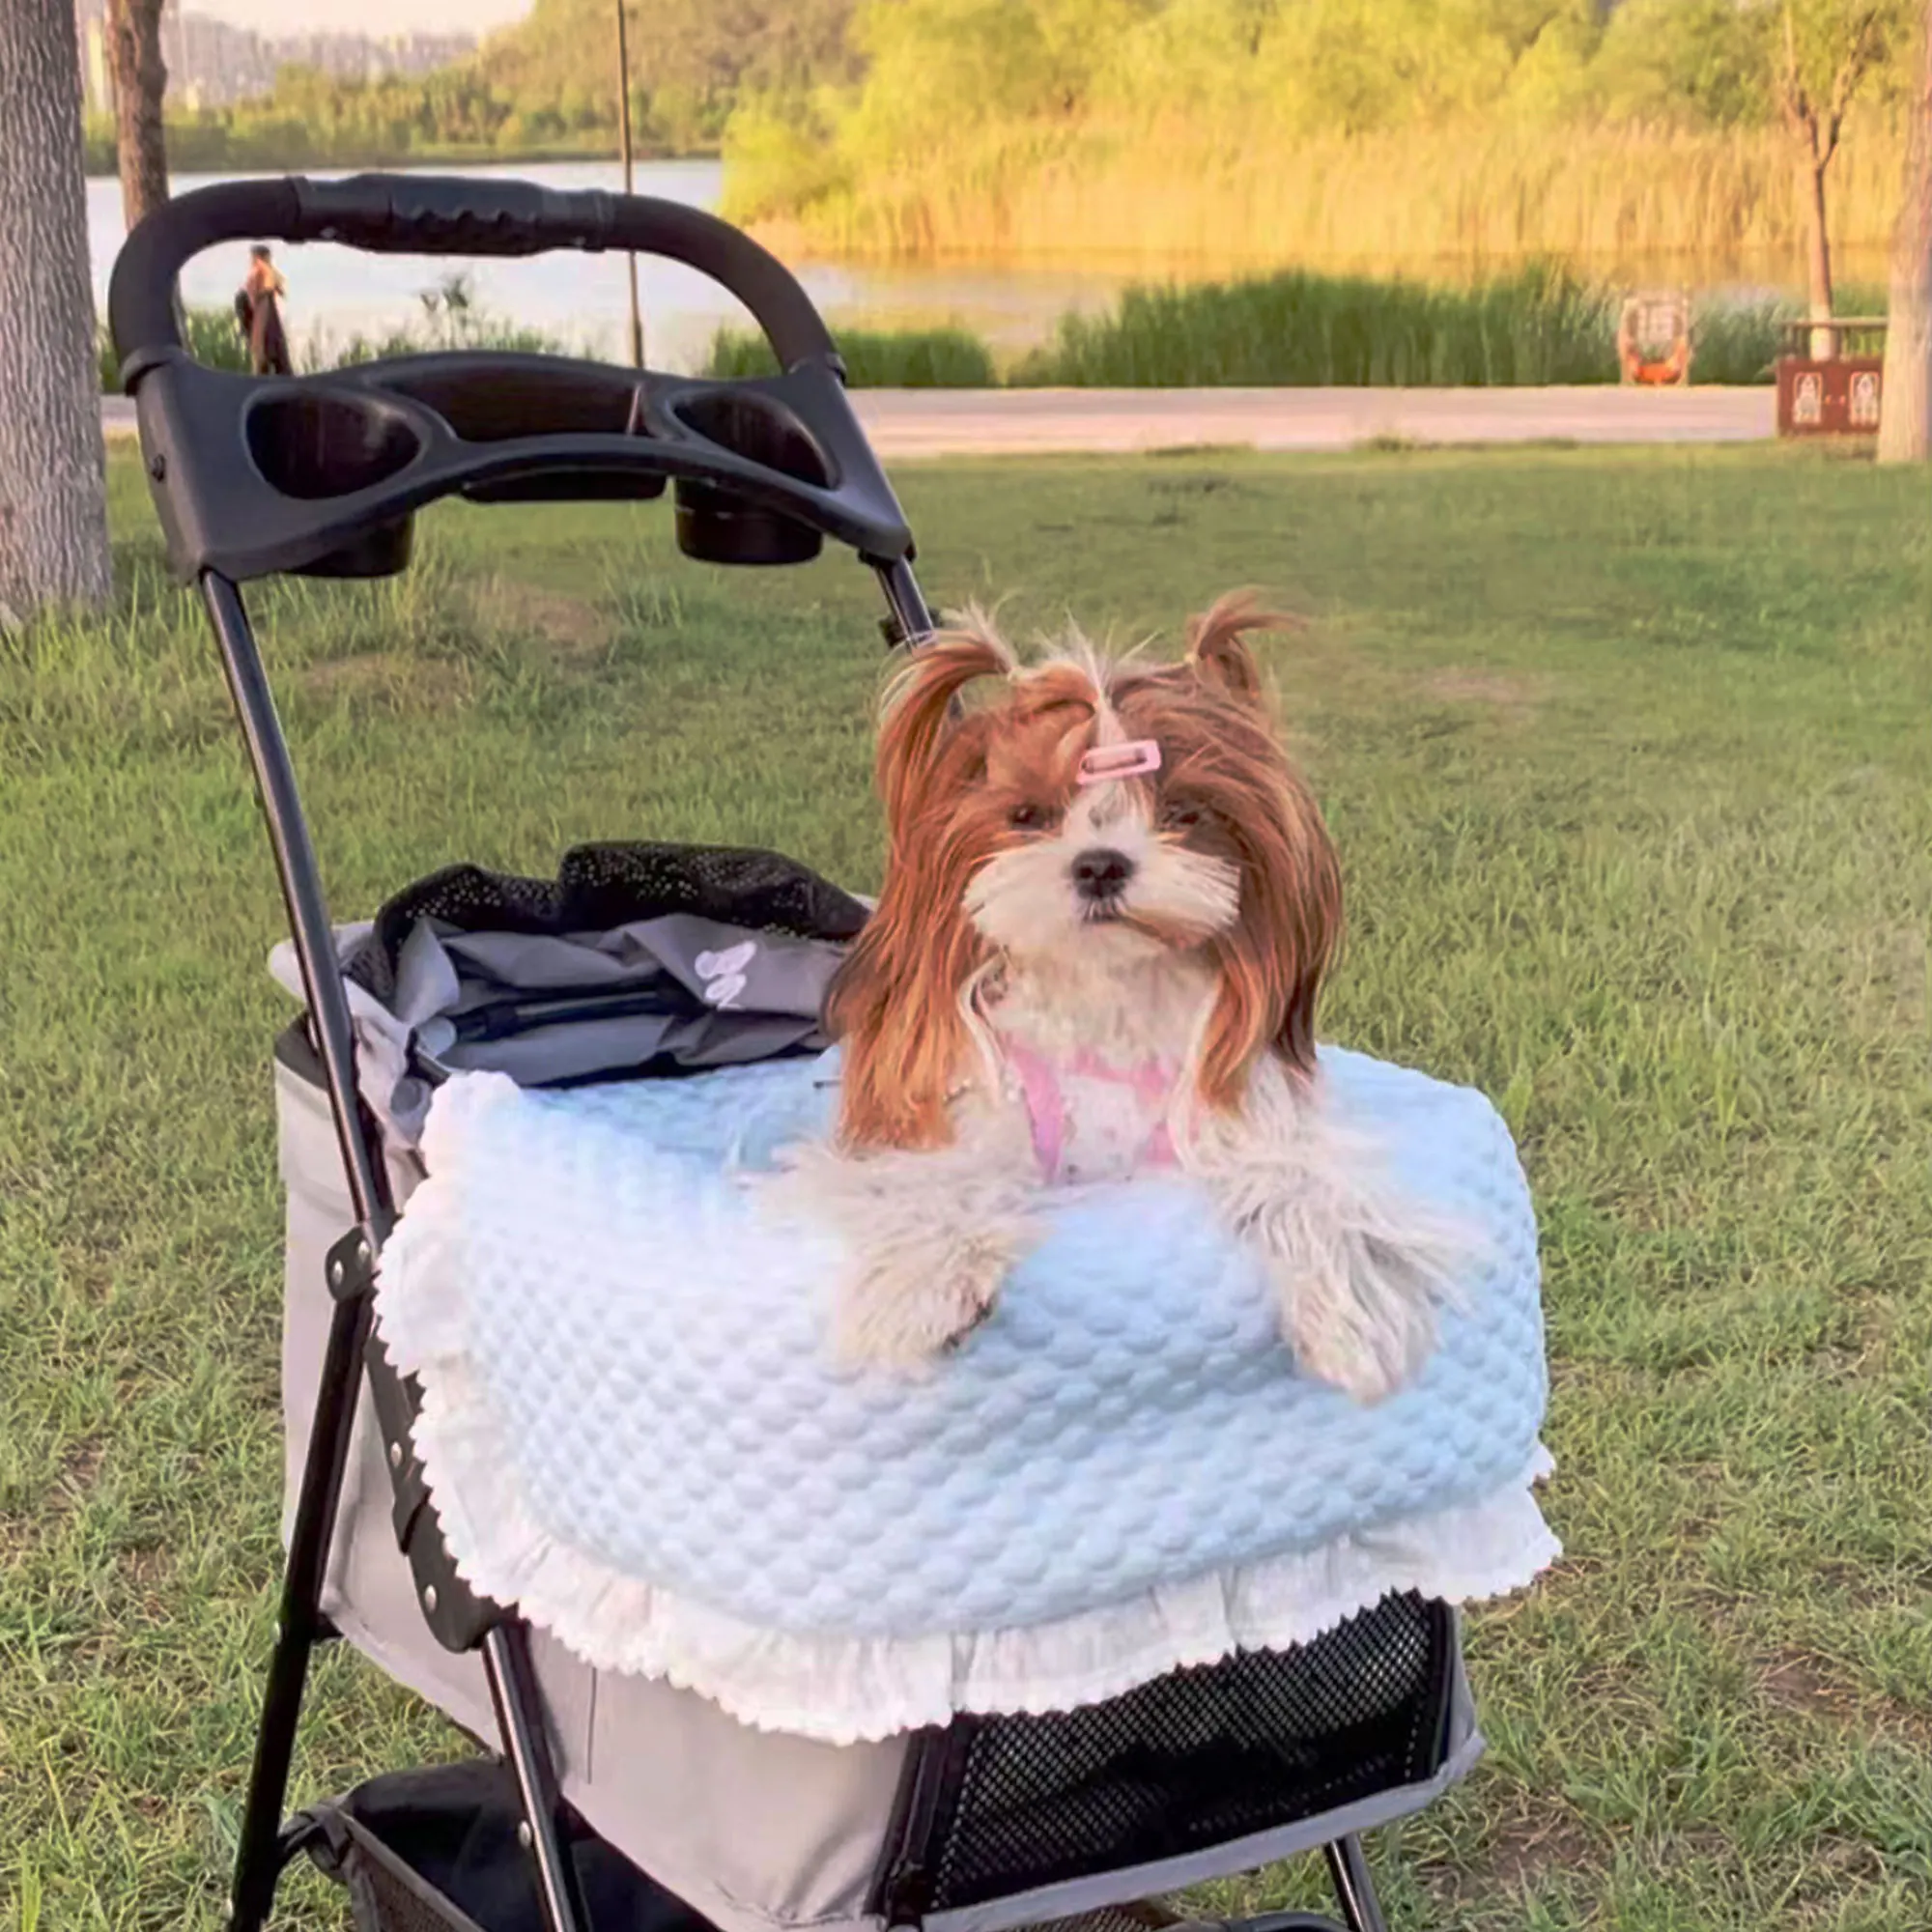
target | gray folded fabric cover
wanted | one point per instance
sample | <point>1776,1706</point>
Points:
<point>677,994</point>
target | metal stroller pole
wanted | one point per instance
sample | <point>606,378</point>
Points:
<point>910,621</point>
<point>299,1626</point>
<point>258,1861</point>
<point>513,1690</point>
<point>1348,1869</point>
<point>505,1653</point>
<point>301,879</point>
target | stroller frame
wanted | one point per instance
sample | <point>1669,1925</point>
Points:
<point>763,470</point>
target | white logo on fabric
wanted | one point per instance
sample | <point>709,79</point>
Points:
<point>723,973</point>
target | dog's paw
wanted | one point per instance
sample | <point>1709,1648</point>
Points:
<point>1367,1331</point>
<point>1369,1365</point>
<point>891,1316</point>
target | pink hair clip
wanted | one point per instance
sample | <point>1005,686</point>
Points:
<point>1131,760</point>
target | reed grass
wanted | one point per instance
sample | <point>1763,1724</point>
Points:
<point>1536,326</point>
<point>323,351</point>
<point>1615,203</point>
<point>914,359</point>
<point>1539,324</point>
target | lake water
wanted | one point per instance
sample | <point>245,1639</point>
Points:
<point>584,299</point>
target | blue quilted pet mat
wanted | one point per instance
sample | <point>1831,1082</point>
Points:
<point>609,1326</point>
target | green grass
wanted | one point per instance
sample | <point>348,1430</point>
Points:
<point>211,338</point>
<point>1628,758</point>
<point>913,358</point>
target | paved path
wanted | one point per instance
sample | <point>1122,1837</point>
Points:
<point>908,424</point>
<point>940,422</point>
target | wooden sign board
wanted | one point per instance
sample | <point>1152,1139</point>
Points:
<point>1841,397</point>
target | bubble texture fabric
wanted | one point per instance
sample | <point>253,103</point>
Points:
<point>630,1425</point>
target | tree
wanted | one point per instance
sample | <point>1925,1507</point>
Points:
<point>1700,63</point>
<point>1905,421</point>
<point>53,504</point>
<point>140,86</point>
<point>1826,49</point>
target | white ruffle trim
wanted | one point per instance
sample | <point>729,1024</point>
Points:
<point>843,1691</point>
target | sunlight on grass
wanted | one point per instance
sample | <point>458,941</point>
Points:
<point>1627,757</point>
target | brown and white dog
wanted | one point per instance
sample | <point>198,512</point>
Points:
<point>1109,904</point>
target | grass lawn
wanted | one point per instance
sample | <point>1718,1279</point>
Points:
<point>1629,759</point>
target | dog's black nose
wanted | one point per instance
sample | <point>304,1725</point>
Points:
<point>1101,873</point>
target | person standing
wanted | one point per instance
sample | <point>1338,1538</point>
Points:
<point>258,311</point>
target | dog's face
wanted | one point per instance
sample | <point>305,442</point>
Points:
<point>1100,845</point>
<point>1092,812</point>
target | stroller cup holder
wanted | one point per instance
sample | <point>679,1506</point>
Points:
<point>323,476</point>
<point>313,447</point>
<point>256,475</point>
<point>720,526</point>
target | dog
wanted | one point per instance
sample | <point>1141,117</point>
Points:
<point>1110,901</point>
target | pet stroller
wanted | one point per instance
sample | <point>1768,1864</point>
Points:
<point>989,1821</point>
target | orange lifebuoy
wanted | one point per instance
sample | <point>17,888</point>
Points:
<point>1658,374</point>
<point>1655,371</point>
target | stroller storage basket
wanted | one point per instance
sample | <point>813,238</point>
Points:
<point>983,1823</point>
<point>438,1851</point>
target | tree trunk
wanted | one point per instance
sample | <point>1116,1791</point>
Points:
<point>140,87</point>
<point>54,507</point>
<point>1905,419</point>
<point>1818,252</point>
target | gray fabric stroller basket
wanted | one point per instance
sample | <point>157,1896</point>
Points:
<point>601,1779</point>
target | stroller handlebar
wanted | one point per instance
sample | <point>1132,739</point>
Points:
<point>448,215</point>
<point>322,473</point>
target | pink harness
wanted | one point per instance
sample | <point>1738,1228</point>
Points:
<point>1046,1103</point>
<point>1151,1081</point>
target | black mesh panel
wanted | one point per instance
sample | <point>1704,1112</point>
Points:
<point>389,1898</point>
<point>1113,1919</point>
<point>1195,1759</point>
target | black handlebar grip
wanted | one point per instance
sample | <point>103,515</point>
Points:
<point>446,215</point>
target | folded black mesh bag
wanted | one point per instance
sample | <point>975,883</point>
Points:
<point>600,887</point>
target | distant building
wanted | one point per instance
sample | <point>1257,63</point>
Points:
<point>212,64</point>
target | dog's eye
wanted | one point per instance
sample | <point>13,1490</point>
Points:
<point>1027,817</point>
<point>1181,816</point>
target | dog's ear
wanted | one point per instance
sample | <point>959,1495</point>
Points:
<point>921,708</point>
<point>894,1003</point>
<point>1272,965</point>
<point>1217,648</point>
<point>894,1008</point>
